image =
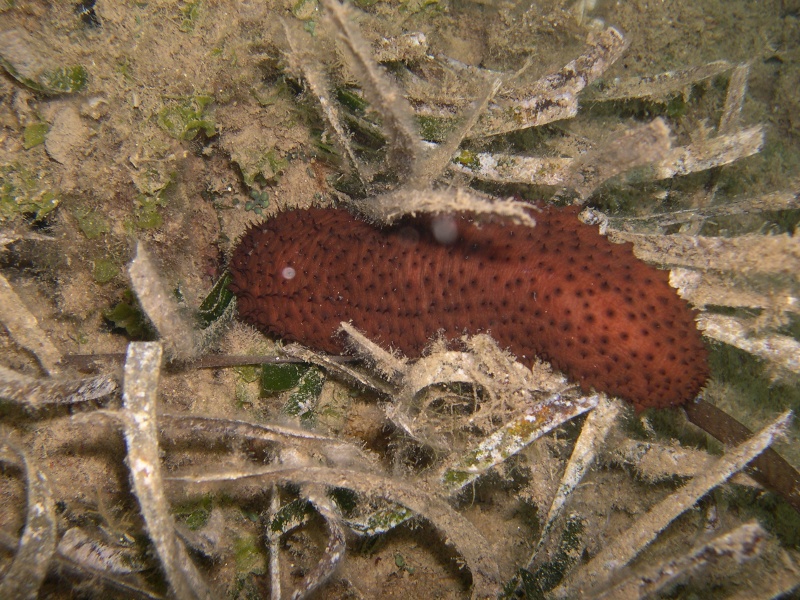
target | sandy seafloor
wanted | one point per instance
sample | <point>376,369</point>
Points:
<point>188,128</point>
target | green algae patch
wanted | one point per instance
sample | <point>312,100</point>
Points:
<point>281,377</point>
<point>258,165</point>
<point>435,129</point>
<point>146,213</point>
<point>259,202</point>
<point>34,135</point>
<point>24,192</point>
<point>248,555</point>
<point>456,479</point>
<point>183,119</point>
<point>128,315</point>
<point>195,514</point>
<point>104,270</point>
<point>190,12</point>
<point>91,223</point>
<point>64,80</point>
<point>468,159</point>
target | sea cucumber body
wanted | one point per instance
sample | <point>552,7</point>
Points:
<point>559,291</point>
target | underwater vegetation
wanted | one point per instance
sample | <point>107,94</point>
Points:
<point>153,445</point>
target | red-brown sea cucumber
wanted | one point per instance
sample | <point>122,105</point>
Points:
<point>559,291</point>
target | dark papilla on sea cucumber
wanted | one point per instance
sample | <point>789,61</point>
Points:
<point>559,291</point>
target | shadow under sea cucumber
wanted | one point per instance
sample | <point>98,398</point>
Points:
<point>559,291</point>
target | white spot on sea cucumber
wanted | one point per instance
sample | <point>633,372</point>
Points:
<point>445,229</point>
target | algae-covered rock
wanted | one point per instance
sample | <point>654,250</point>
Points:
<point>30,62</point>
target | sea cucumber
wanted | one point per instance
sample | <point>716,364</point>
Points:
<point>559,291</point>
